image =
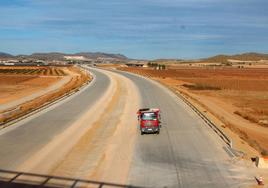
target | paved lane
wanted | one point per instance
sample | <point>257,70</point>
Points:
<point>18,144</point>
<point>185,154</point>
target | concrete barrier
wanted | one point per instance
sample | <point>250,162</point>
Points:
<point>262,162</point>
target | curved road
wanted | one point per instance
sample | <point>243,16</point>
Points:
<point>185,154</point>
<point>20,141</point>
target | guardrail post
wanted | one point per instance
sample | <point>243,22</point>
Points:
<point>231,143</point>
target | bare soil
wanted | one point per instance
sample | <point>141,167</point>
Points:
<point>236,97</point>
<point>19,82</point>
<point>13,87</point>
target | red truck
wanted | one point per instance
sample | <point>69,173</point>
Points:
<point>149,120</point>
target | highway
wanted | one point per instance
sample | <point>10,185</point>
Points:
<point>20,141</point>
<point>185,154</point>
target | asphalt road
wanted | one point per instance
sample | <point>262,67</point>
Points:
<point>19,142</point>
<point>186,153</point>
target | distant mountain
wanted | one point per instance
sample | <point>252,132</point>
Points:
<point>5,55</point>
<point>96,55</point>
<point>86,55</point>
<point>46,56</point>
<point>241,57</point>
<point>251,56</point>
<point>165,60</point>
<point>61,56</point>
<point>37,56</point>
<point>119,57</point>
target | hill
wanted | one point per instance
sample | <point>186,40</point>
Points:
<point>46,56</point>
<point>241,57</point>
<point>96,55</point>
<point>5,55</point>
<point>86,55</point>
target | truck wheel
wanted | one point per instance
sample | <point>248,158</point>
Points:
<point>157,132</point>
<point>142,133</point>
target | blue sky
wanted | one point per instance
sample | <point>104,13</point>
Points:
<point>137,28</point>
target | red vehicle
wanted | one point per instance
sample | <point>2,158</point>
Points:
<point>149,120</point>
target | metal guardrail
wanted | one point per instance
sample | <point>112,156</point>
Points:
<point>43,106</point>
<point>222,135</point>
<point>17,179</point>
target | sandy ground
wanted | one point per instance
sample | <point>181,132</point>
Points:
<point>102,139</point>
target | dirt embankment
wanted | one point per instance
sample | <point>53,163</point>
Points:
<point>237,98</point>
<point>24,89</point>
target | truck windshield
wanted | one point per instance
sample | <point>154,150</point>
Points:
<point>148,116</point>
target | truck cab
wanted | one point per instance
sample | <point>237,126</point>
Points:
<point>149,120</point>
